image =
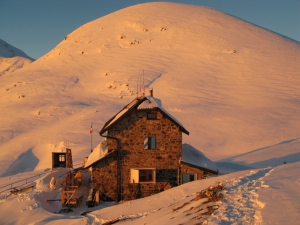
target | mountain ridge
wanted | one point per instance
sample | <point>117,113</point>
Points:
<point>12,58</point>
<point>233,85</point>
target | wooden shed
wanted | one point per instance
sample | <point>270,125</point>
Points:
<point>62,159</point>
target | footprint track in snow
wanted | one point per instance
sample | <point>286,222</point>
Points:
<point>241,204</point>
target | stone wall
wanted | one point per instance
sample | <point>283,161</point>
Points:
<point>104,177</point>
<point>201,174</point>
<point>131,130</point>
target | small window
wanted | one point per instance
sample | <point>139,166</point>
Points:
<point>150,142</point>
<point>61,158</point>
<point>188,177</point>
<point>151,116</point>
<point>143,176</point>
<point>146,176</point>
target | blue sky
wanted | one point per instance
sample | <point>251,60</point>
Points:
<point>37,26</point>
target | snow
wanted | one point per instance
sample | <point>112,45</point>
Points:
<point>121,113</point>
<point>281,197</point>
<point>150,104</point>
<point>260,196</point>
<point>195,157</point>
<point>12,58</point>
<point>234,86</point>
<point>9,51</point>
<point>158,103</point>
<point>98,153</point>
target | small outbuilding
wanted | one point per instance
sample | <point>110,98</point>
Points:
<point>62,159</point>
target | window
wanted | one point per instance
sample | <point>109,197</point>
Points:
<point>187,177</point>
<point>151,116</point>
<point>61,158</point>
<point>143,175</point>
<point>150,142</point>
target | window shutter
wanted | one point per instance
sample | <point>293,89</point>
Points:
<point>146,143</point>
<point>134,176</point>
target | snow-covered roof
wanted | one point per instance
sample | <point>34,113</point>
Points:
<point>141,103</point>
<point>150,103</point>
<point>192,156</point>
<point>154,102</point>
<point>98,153</point>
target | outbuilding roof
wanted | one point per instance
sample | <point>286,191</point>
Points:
<point>196,158</point>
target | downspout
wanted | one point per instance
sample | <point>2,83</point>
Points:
<point>179,181</point>
<point>119,182</point>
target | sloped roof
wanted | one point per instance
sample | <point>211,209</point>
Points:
<point>141,103</point>
<point>99,152</point>
<point>194,157</point>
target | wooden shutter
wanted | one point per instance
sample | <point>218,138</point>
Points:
<point>146,142</point>
<point>134,176</point>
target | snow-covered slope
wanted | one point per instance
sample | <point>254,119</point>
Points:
<point>233,85</point>
<point>12,58</point>
<point>9,51</point>
<point>260,196</point>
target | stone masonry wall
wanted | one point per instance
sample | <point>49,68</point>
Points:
<point>164,158</point>
<point>104,177</point>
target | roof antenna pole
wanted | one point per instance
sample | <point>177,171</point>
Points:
<point>140,83</point>
<point>143,83</point>
<point>137,87</point>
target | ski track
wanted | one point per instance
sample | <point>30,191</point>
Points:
<point>241,204</point>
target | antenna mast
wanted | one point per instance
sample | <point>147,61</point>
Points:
<point>143,83</point>
<point>137,87</point>
<point>140,85</point>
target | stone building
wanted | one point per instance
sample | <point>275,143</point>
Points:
<point>145,153</point>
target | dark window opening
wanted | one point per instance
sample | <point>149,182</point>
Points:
<point>151,116</point>
<point>143,175</point>
<point>186,177</point>
<point>146,176</point>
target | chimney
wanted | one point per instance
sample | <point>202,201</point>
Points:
<point>151,92</point>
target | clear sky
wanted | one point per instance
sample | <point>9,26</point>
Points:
<point>37,26</point>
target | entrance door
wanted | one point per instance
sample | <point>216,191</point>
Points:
<point>58,160</point>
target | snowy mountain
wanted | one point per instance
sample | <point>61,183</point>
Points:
<point>233,85</point>
<point>12,58</point>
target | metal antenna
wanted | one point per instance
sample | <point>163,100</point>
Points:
<point>143,83</point>
<point>140,83</point>
<point>137,86</point>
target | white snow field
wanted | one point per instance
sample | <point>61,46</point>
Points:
<point>12,58</point>
<point>233,85</point>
